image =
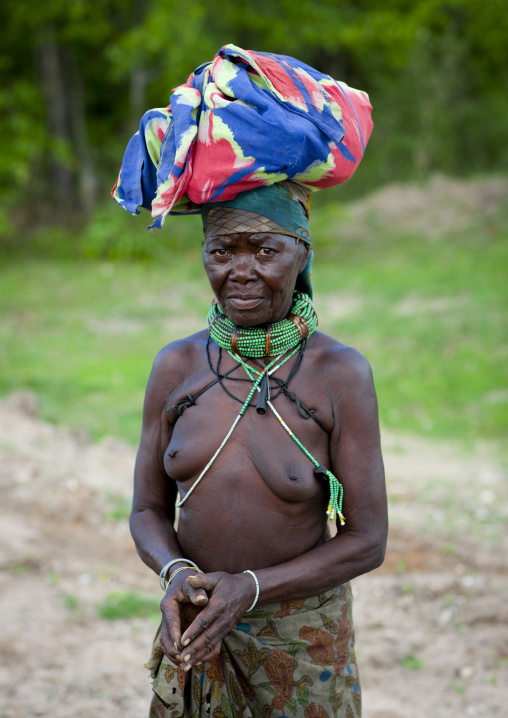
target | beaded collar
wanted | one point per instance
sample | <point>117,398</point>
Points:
<point>268,340</point>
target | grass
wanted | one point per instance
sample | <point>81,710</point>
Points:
<point>128,605</point>
<point>119,507</point>
<point>71,603</point>
<point>430,317</point>
<point>412,663</point>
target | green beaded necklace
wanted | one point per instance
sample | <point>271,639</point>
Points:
<point>279,338</point>
<point>275,338</point>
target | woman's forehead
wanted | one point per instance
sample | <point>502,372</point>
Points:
<point>255,238</point>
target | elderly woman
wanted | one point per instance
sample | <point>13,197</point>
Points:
<point>260,428</point>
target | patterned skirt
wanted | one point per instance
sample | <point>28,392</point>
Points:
<point>284,660</point>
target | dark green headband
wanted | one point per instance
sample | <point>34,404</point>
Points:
<point>276,202</point>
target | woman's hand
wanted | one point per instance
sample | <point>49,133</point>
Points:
<point>180,607</point>
<point>229,597</point>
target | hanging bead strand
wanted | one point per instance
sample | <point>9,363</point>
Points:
<point>334,509</point>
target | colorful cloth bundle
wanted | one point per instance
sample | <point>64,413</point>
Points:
<point>244,120</point>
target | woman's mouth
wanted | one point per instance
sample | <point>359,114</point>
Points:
<point>245,302</point>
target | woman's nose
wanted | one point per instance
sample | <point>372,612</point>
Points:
<point>242,269</point>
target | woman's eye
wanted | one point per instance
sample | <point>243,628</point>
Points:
<point>266,252</point>
<point>220,252</point>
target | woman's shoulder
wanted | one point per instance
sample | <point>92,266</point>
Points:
<point>337,359</point>
<point>179,357</point>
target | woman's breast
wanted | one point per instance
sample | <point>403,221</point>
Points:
<point>259,447</point>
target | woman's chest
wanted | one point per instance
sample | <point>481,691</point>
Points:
<point>253,445</point>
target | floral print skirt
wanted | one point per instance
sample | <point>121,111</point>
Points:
<point>284,660</point>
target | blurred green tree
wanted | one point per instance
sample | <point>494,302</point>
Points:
<point>78,74</point>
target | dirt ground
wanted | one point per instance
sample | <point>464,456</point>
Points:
<point>431,624</point>
<point>457,205</point>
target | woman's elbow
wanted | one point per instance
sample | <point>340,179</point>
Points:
<point>376,549</point>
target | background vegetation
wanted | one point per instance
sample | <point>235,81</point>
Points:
<point>87,296</point>
<point>430,316</point>
<point>77,75</point>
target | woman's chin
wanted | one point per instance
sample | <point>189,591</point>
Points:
<point>251,312</point>
<point>244,312</point>
<point>247,318</point>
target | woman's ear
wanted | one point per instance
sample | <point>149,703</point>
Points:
<point>305,250</point>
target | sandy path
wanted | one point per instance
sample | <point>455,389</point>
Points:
<point>432,623</point>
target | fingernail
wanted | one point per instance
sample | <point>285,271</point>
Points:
<point>186,642</point>
<point>199,663</point>
<point>186,658</point>
<point>187,668</point>
<point>175,645</point>
<point>178,657</point>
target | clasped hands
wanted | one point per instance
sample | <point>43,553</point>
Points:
<point>199,610</point>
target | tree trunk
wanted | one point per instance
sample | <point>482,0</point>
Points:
<point>139,79</point>
<point>86,178</point>
<point>55,95</point>
<point>139,75</point>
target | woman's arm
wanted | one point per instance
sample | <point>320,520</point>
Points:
<point>153,508</point>
<point>359,545</point>
<point>356,460</point>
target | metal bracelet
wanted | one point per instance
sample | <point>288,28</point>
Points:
<point>182,568</point>
<point>164,570</point>
<point>257,589</point>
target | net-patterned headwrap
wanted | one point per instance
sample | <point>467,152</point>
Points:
<point>282,208</point>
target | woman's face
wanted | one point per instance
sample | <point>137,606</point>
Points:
<point>253,275</point>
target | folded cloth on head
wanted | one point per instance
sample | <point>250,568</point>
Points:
<point>244,120</point>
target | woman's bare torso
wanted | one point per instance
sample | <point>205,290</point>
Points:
<point>260,503</point>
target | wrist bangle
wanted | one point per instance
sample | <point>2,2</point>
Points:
<point>257,589</point>
<point>164,570</point>
<point>182,568</point>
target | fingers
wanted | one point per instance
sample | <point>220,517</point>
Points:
<point>228,598</point>
<point>206,581</point>
<point>198,625</point>
<point>206,645</point>
<point>169,650</point>
<point>174,606</point>
<point>198,596</point>
<point>188,661</point>
<point>170,630</point>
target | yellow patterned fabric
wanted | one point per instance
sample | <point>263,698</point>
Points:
<point>290,659</point>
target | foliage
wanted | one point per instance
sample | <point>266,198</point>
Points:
<point>128,605</point>
<point>430,317</point>
<point>412,663</point>
<point>119,507</point>
<point>71,602</point>
<point>78,74</point>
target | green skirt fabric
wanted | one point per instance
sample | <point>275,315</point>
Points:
<point>290,659</point>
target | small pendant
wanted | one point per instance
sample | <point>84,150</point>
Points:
<point>321,472</point>
<point>264,388</point>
